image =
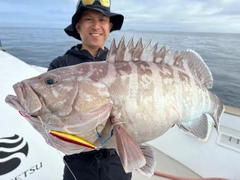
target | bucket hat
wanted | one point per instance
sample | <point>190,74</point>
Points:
<point>102,6</point>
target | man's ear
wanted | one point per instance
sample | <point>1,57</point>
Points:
<point>111,25</point>
<point>77,27</point>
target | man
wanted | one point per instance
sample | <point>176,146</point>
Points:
<point>91,23</point>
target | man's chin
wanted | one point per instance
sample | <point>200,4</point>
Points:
<point>97,45</point>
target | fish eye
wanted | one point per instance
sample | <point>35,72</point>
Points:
<point>50,81</point>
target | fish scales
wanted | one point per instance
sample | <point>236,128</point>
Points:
<point>138,93</point>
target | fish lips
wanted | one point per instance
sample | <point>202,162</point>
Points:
<point>26,100</point>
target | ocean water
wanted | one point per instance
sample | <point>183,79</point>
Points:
<point>220,51</point>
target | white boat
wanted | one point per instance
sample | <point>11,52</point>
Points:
<point>25,155</point>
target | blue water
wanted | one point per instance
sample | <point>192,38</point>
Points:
<point>221,52</point>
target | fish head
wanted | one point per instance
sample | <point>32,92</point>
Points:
<point>49,92</point>
<point>63,100</point>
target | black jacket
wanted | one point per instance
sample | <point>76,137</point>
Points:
<point>76,56</point>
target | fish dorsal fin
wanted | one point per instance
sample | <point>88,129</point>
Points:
<point>137,51</point>
<point>191,61</point>
<point>146,52</point>
<point>129,50</point>
<point>168,57</point>
<point>112,52</point>
<point>188,60</point>
<point>121,50</point>
<point>160,54</point>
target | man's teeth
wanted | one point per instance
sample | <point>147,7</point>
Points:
<point>95,34</point>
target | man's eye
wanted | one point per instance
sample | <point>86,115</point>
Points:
<point>50,81</point>
<point>103,19</point>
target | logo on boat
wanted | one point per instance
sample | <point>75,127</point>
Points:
<point>12,151</point>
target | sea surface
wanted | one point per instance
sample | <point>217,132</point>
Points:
<point>220,51</point>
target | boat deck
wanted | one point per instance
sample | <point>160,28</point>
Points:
<point>166,165</point>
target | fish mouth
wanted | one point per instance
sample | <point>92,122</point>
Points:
<point>26,101</point>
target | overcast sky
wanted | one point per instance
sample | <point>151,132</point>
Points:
<point>158,15</point>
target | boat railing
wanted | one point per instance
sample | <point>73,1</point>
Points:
<point>232,110</point>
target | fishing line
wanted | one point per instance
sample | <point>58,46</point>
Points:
<point>101,139</point>
<point>47,132</point>
<point>99,127</point>
<point>102,142</point>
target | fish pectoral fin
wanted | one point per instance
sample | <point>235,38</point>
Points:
<point>128,150</point>
<point>148,168</point>
<point>200,127</point>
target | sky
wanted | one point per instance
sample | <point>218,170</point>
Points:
<point>221,16</point>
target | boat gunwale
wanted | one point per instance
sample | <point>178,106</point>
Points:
<point>232,110</point>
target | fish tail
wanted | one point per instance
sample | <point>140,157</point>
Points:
<point>218,109</point>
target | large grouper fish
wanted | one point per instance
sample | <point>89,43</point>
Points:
<point>134,96</point>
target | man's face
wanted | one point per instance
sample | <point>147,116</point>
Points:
<point>94,29</point>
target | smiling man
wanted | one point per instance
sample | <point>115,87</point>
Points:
<point>91,23</point>
<point>94,28</point>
